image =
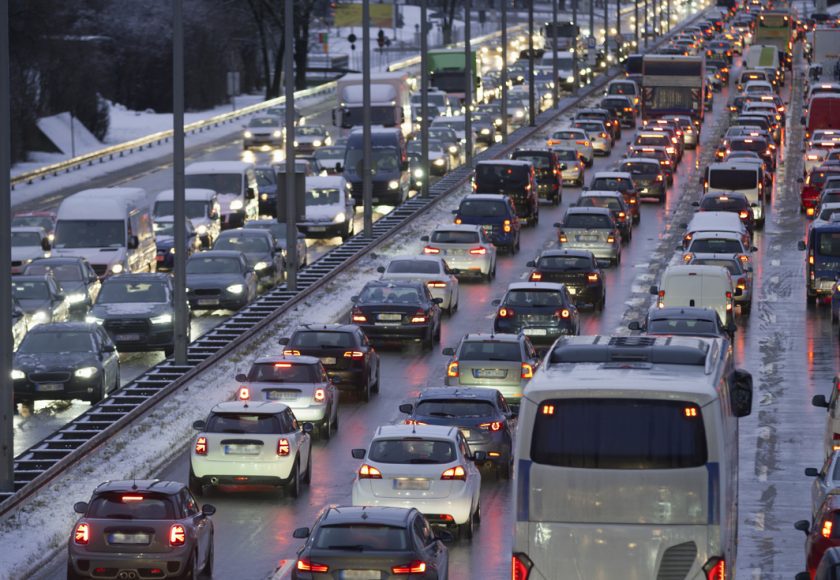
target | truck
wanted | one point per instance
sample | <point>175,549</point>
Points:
<point>825,48</point>
<point>446,72</point>
<point>567,33</point>
<point>390,101</point>
<point>673,85</point>
<point>775,28</point>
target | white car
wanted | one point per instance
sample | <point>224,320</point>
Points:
<point>428,467</point>
<point>758,88</point>
<point>329,209</point>
<point>432,270</point>
<point>246,443</point>
<point>464,247</point>
<point>573,138</point>
<point>28,243</point>
<point>300,382</point>
<point>264,132</point>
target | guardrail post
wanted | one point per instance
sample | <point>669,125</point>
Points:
<point>7,398</point>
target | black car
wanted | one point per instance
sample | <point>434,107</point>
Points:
<point>732,201</point>
<point>397,310</point>
<point>386,541</point>
<point>495,214</point>
<point>547,166</point>
<point>40,298</point>
<point>267,181</point>
<point>65,360</point>
<point>260,250</point>
<point>542,311</point>
<point>578,270</point>
<point>682,320</point>
<point>278,230</point>
<point>75,276</point>
<point>482,414</point>
<point>648,175</point>
<point>220,279</point>
<point>165,241</point>
<point>621,107</point>
<point>516,179</point>
<point>344,351</point>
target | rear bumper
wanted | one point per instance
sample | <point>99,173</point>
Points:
<point>602,252</point>
<point>458,505</point>
<point>171,564</point>
<point>385,333</point>
<point>552,332</point>
<point>351,379</point>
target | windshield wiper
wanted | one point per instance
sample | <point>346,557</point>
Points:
<point>421,460</point>
<point>235,431</point>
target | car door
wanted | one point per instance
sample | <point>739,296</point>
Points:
<point>301,441</point>
<point>110,359</point>
<point>473,475</point>
<point>503,406</point>
<point>372,356</point>
<point>531,355</point>
<point>431,549</point>
<point>202,524</point>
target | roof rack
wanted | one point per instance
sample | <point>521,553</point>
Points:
<point>634,350</point>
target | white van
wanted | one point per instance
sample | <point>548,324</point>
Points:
<point>202,209</point>
<point>739,176</point>
<point>236,184</point>
<point>627,460</point>
<point>111,227</point>
<point>701,286</point>
<point>716,221</point>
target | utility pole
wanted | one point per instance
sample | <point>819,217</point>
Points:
<point>367,185</point>
<point>555,86</point>
<point>591,20</point>
<point>182,317</point>
<point>575,48</point>
<point>7,398</point>
<point>291,170</point>
<point>470,82</point>
<point>504,72</point>
<point>607,32</point>
<point>424,95</point>
<point>532,108</point>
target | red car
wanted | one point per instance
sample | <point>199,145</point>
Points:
<point>823,534</point>
<point>812,187</point>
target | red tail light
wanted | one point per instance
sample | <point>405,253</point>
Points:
<point>480,251</point>
<point>431,250</point>
<point>743,214</point>
<point>659,177</point>
<point>354,354</point>
<point>506,226</point>
<point>494,426</point>
<point>742,283</point>
<point>562,313</point>
<point>453,473</point>
<point>244,393</point>
<point>610,239</point>
<point>521,567</point>
<point>369,472</point>
<point>358,316</point>
<point>622,215</point>
<point>505,312</point>
<point>419,317</point>
<point>561,236</point>
<point>283,447</point>
<point>715,569</point>
<point>729,300</point>
<point>826,528</point>
<point>453,369</point>
<point>82,534</point>
<point>592,277</point>
<point>413,567</point>
<point>201,446</point>
<point>436,284</point>
<point>177,535</point>
<point>320,395</point>
<point>291,352</point>
<point>458,221</point>
<point>535,276</point>
<point>307,565</point>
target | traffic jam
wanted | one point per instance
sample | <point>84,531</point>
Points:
<point>586,362</point>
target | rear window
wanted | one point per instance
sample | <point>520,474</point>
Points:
<point>827,213</point>
<point>413,267</point>
<point>564,263</point>
<point>566,135</point>
<point>611,184</point>
<point>714,203</point>
<point>322,339</point>
<point>283,372</point>
<point>651,140</point>
<point>444,237</point>
<point>734,266</point>
<point>538,161</point>
<point>412,451</point>
<point>500,175</point>
<point>597,201</point>
<point>534,298</point>
<point>632,66</point>
<point>619,434</point>
<point>483,208</point>
<point>131,506</point>
<point>567,154</point>
<point>455,409</point>
<point>360,537</point>
<point>682,326</point>
<point>636,168</point>
<point>490,351</point>
<point>587,221</point>
<point>715,246</point>
<point>243,423</point>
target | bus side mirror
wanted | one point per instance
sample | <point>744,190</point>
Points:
<point>819,401</point>
<point>741,393</point>
<point>801,246</point>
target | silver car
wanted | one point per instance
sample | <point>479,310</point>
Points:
<point>573,170</point>
<point>593,229</point>
<point>465,248</point>
<point>505,362</point>
<point>573,138</point>
<point>599,134</point>
<point>826,480</point>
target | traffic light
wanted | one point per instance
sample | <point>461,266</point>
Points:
<point>380,38</point>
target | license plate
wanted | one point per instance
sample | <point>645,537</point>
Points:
<point>587,238</point>
<point>361,575</point>
<point>127,337</point>
<point>280,396</point>
<point>490,373</point>
<point>411,484</point>
<point>50,387</point>
<point>318,229</point>
<point>329,360</point>
<point>242,449</point>
<point>644,190</point>
<point>572,291</point>
<point>534,331</point>
<point>121,538</point>
<point>396,317</point>
<point>208,301</point>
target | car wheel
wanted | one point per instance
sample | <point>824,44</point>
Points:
<point>453,306</point>
<point>99,394</point>
<point>307,475</point>
<point>746,308</point>
<point>292,488</point>
<point>599,306</point>
<point>326,427</point>
<point>195,485</point>
<point>579,181</point>
<point>516,246</point>
<point>375,386</point>
<point>436,337</point>
<point>505,471</point>
<point>191,572</point>
<point>467,529</point>
<point>428,342</point>
<point>364,394</point>
<point>335,419</point>
<point>71,574</point>
<point>169,351</point>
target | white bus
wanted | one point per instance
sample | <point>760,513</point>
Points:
<point>627,461</point>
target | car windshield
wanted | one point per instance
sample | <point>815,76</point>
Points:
<point>414,267</point>
<point>218,182</point>
<point>715,246</point>
<point>636,168</point>
<point>413,450</point>
<point>611,184</point>
<point>734,266</point>
<point>483,208</point>
<point>33,221</point>
<point>243,423</point>
<point>25,239</point>
<point>611,203</point>
<point>538,161</point>
<point>382,160</point>
<point>587,221</point>
<point>534,298</point>
<point>442,134</point>
<point>565,263</point>
<point>311,131</point>
<point>826,214</point>
<point>323,196</point>
<point>489,350</point>
<point>390,295</point>
<point>131,505</point>
<point>35,290</point>
<point>201,265</point>
<point>56,341</point>
<point>118,292</point>
<point>361,537</point>
<point>828,244</point>
<point>322,339</point>
<point>265,176</point>
<point>454,237</point>
<point>61,272</point>
<point>682,326</point>
<point>193,209</point>
<point>283,372</point>
<point>89,234</point>
<point>455,408</point>
<point>264,122</point>
<point>566,154</point>
<point>244,244</point>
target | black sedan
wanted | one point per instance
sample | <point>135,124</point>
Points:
<point>65,360</point>
<point>578,270</point>
<point>75,276</point>
<point>259,249</point>
<point>220,279</point>
<point>542,311</point>
<point>344,351</point>
<point>387,541</point>
<point>41,299</point>
<point>396,311</point>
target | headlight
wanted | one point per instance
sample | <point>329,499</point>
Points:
<point>18,375</point>
<point>172,251</point>
<point>76,297</point>
<point>295,143</point>
<point>393,184</point>
<point>340,217</point>
<point>202,230</point>
<point>485,131</point>
<point>236,288</point>
<point>236,205</point>
<point>316,143</point>
<point>162,319</point>
<point>439,162</point>
<point>519,114</point>
<point>90,319</point>
<point>277,134</point>
<point>248,134</point>
<point>117,268</point>
<point>260,266</point>
<point>86,372</point>
<point>453,149</point>
<point>264,196</point>
<point>570,79</point>
<point>40,317</point>
<point>418,173</point>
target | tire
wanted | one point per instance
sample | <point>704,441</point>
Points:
<point>71,574</point>
<point>169,351</point>
<point>505,471</point>
<point>516,246</point>
<point>375,387</point>
<point>99,394</point>
<point>364,394</point>
<point>325,432</point>
<point>810,301</point>
<point>599,306</point>
<point>292,489</point>
<point>190,573</point>
<point>746,308</point>
<point>307,475</point>
<point>196,487</point>
<point>207,570</point>
<point>466,531</point>
<point>579,182</point>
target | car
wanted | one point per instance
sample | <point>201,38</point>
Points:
<point>138,312</point>
<point>384,541</point>
<point>614,201</point>
<point>268,175</point>
<point>598,133</point>
<point>431,270</point>
<point>439,156</point>
<point>813,185</point>
<point>648,175</point>
<point>716,242</point>
<point>28,243</point>
<point>621,181</point>
<point>133,528</point>
<point>259,248</point>
<point>75,277</point>
<point>660,154</point>
<point>828,569</point>
<point>826,211</point>
<point>329,210</point>
<point>730,201</point>
<point>648,137</point>
<point>495,361</point>
<point>465,248</point>
<point>760,145</point>
<point>547,166</point>
<point>164,227</point>
<point>416,172</point>
<point>278,230</point>
<point>820,534</point>
<point>482,414</point>
<point>327,158</point>
<point>428,467</point>
<point>39,219</point>
<point>577,270</point>
<point>301,382</point>
<point>450,140</point>
<point>610,120</point>
<point>345,351</point>
<point>621,106</point>
<point>201,207</point>
<point>690,129</point>
<point>496,215</point>
<point>826,479</point>
<point>542,311</point>
<point>65,360</point>
<point>573,138</point>
<point>220,279</point>
<point>572,167</point>
<point>516,179</point>
<point>484,128</point>
<point>592,229</point>
<point>264,132</point>
<point>41,299</point>
<point>740,268</point>
<point>671,130</point>
<point>397,310</point>
<point>251,443</point>
<point>310,137</point>
<point>681,321</point>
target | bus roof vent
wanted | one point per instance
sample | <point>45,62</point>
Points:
<point>631,350</point>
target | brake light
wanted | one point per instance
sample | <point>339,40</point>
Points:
<point>177,535</point>
<point>419,317</point>
<point>358,316</point>
<point>431,250</point>
<point>520,567</point>
<point>131,498</point>
<point>603,135</point>
<point>715,569</point>
<point>659,177</point>
<point>506,226</point>
<point>82,534</point>
<point>743,214</point>
<point>592,277</point>
<point>621,215</point>
<point>244,393</point>
<point>320,395</point>
<point>535,276</point>
<point>810,211</point>
<point>562,313</point>
<point>307,565</point>
<point>436,284</point>
<point>561,236</point>
<point>454,473</point>
<point>586,143</point>
<point>826,528</point>
<point>413,567</point>
<point>458,221</point>
<point>811,259</point>
<point>610,239</point>
<point>661,301</point>
<point>453,370</point>
<point>526,372</point>
<point>505,312</point>
<point>369,472</point>
<point>729,300</point>
<point>201,446</point>
<point>283,447</point>
<point>673,140</point>
<point>742,283</point>
<point>354,354</point>
<point>494,426</point>
<point>480,251</point>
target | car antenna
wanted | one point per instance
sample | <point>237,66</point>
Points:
<point>134,484</point>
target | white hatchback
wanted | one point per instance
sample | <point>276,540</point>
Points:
<point>431,270</point>
<point>464,247</point>
<point>428,467</point>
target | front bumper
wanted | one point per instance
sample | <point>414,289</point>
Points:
<point>73,388</point>
<point>322,229</point>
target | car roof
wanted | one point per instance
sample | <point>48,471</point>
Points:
<point>390,516</point>
<point>63,327</point>
<point>489,337</point>
<point>395,283</point>
<point>648,160</point>
<point>248,232</point>
<point>457,227</point>
<point>59,260</point>
<point>485,197</point>
<point>705,234</point>
<point>217,167</point>
<point>256,407</point>
<point>423,431</point>
<point>535,286</point>
<point>140,485</point>
<point>139,277</point>
<point>613,174</point>
<point>30,229</point>
<point>508,162</point>
<point>458,393</point>
<point>295,359</point>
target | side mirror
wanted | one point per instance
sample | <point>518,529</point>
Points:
<point>407,408</point>
<point>496,302</point>
<point>199,425</point>
<point>448,351</point>
<point>307,427</point>
<point>741,393</point>
<point>301,533</point>
<point>354,299</point>
<point>803,526</point>
<point>109,348</point>
<point>283,340</point>
<point>819,401</point>
<point>80,507</point>
<point>250,193</point>
<point>634,325</point>
<point>358,453</point>
<point>800,180</point>
<point>437,300</point>
<point>563,167</point>
<point>753,249</point>
<point>133,243</point>
<point>336,380</point>
<point>695,204</point>
<point>424,238</point>
<point>557,225</point>
<point>381,269</point>
<point>531,264</point>
<point>812,471</point>
<point>654,290</point>
<point>446,536</point>
<point>800,245</point>
<point>241,378</point>
<point>208,510</point>
<point>479,456</point>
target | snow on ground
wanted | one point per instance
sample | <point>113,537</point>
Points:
<point>68,134</point>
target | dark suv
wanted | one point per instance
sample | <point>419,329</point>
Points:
<point>542,311</point>
<point>548,169</point>
<point>495,214</point>
<point>516,179</point>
